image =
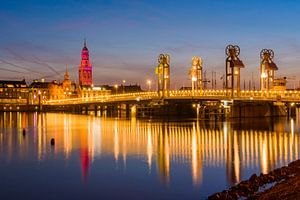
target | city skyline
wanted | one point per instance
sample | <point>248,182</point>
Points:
<point>126,37</point>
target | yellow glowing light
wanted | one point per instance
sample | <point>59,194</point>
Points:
<point>264,75</point>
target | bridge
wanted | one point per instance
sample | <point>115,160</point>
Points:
<point>292,96</point>
<point>272,98</point>
<point>203,104</point>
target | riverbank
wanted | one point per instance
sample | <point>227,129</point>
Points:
<point>281,183</point>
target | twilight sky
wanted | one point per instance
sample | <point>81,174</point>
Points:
<point>38,38</point>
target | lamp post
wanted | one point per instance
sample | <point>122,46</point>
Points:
<point>124,81</point>
<point>116,87</point>
<point>149,85</point>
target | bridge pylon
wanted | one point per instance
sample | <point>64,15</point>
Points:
<point>267,69</point>
<point>196,74</point>
<point>233,66</point>
<point>163,75</point>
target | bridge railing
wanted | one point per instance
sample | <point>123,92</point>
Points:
<point>292,95</point>
<point>105,98</point>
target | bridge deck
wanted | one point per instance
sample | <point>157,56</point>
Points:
<point>244,95</point>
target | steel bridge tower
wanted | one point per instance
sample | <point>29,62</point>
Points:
<point>163,75</point>
<point>233,66</point>
<point>267,69</point>
<point>196,74</point>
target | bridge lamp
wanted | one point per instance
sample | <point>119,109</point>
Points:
<point>149,85</point>
<point>263,75</point>
<point>116,87</point>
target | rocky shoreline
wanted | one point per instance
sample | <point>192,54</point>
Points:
<point>281,183</point>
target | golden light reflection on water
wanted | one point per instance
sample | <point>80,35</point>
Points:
<point>160,144</point>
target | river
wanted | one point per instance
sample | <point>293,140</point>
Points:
<point>112,158</point>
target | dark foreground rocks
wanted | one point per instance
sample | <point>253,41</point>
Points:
<point>281,183</point>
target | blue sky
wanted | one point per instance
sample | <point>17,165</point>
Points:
<point>39,38</point>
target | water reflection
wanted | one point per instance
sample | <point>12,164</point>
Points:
<point>231,146</point>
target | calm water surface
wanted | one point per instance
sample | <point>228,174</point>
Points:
<point>98,158</point>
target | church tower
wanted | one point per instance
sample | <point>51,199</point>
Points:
<point>85,68</point>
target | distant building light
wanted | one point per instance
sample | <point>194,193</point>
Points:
<point>97,88</point>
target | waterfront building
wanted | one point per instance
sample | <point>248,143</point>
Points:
<point>39,91</point>
<point>13,92</point>
<point>94,91</point>
<point>69,89</point>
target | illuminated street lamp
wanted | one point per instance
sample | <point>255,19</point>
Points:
<point>149,85</point>
<point>124,81</point>
<point>116,87</point>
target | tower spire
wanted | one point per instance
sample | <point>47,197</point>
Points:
<point>84,44</point>
<point>66,76</point>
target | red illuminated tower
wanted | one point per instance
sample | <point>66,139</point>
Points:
<point>85,68</point>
